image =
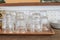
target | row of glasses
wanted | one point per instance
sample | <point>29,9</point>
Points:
<point>17,21</point>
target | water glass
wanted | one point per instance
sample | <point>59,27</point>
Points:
<point>45,23</point>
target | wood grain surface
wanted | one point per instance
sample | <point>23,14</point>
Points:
<point>30,4</point>
<point>18,37</point>
<point>21,1</point>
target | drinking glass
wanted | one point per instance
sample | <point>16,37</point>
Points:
<point>45,24</point>
<point>21,24</point>
<point>13,15</point>
<point>36,21</point>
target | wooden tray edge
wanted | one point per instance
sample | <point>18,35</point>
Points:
<point>40,33</point>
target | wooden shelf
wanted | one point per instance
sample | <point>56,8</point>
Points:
<point>30,4</point>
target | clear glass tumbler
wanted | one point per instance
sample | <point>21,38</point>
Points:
<point>36,21</point>
<point>45,24</point>
<point>21,22</point>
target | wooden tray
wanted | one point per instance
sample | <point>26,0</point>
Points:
<point>50,32</point>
